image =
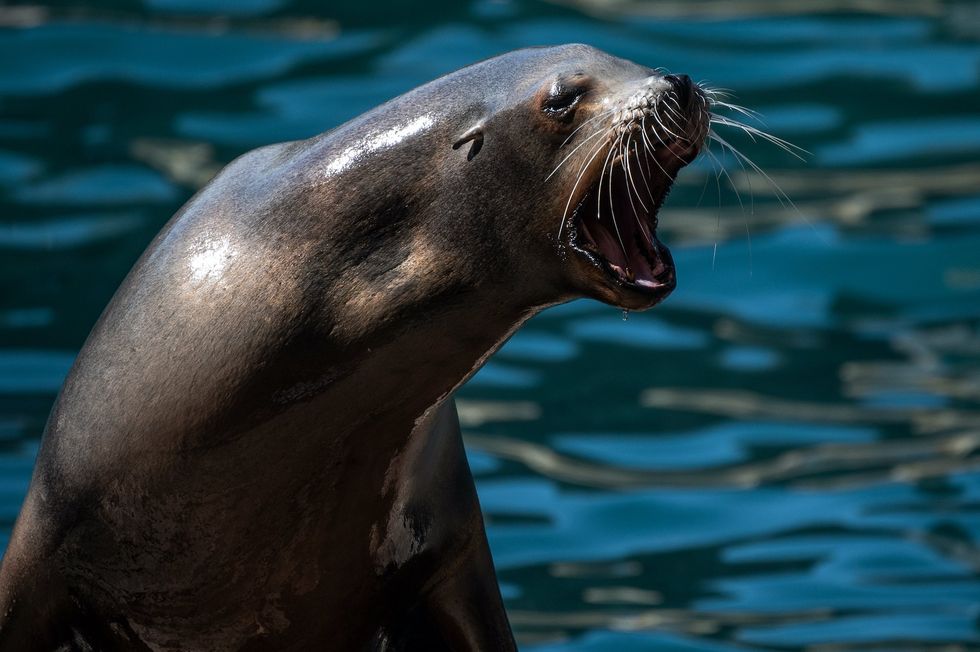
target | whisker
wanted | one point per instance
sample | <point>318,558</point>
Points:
<point>748,234</point>
<point>656,116</point>
<point>704,112</point>
<point>581,173</point>
<point>677,119</point>
<point>717,165</point>
<point>593,118</point>
<point>644,169</point>
<point>745,222</point>
<point>669,124</point>
<point>731,182</point>
<point>676,113</point>
<point>612,208</point>
<point>712,92</point>
<point>651,150</point>
<point>780,194</point>
<point>751,131</point>
<point>629,170</point>
<point>704,188</point>
<point>628,174</point>
<point>749,113</point>
<point>739,155</point>
<point>590,137</point>
<point>664,143</point>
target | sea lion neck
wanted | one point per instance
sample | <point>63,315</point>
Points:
<point>433,329</point>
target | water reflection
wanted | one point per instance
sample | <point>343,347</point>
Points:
<point>784,456</point>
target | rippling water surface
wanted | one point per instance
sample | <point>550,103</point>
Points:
<point>784,456</point>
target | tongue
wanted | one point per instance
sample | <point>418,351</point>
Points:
<point>650,267</point>
<point>645,261</point>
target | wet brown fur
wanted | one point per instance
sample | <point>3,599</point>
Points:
<point>268,458</point>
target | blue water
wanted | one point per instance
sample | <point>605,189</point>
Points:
<point>784,456</point>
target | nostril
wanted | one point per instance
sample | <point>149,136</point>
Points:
<point>681,84</point>
<point>678,80</point>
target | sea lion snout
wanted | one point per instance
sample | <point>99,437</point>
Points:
<point>669,108</point>
<point>640,130</point>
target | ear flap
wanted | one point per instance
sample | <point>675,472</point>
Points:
<point>474,134</point>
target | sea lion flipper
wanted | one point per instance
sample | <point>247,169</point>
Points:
<point>467,606</point>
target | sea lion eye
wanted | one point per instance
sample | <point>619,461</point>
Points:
<point>561,99</point>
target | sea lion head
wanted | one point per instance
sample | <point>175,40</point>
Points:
<point>588,146</point>
<point>537,174</point>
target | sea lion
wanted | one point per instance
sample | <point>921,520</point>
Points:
<point>257,448</point>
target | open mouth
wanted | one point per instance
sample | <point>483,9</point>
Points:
<point>657,130</point>
<point>614,224</point>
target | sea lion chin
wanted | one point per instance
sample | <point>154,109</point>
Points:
<point>257,448</point>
